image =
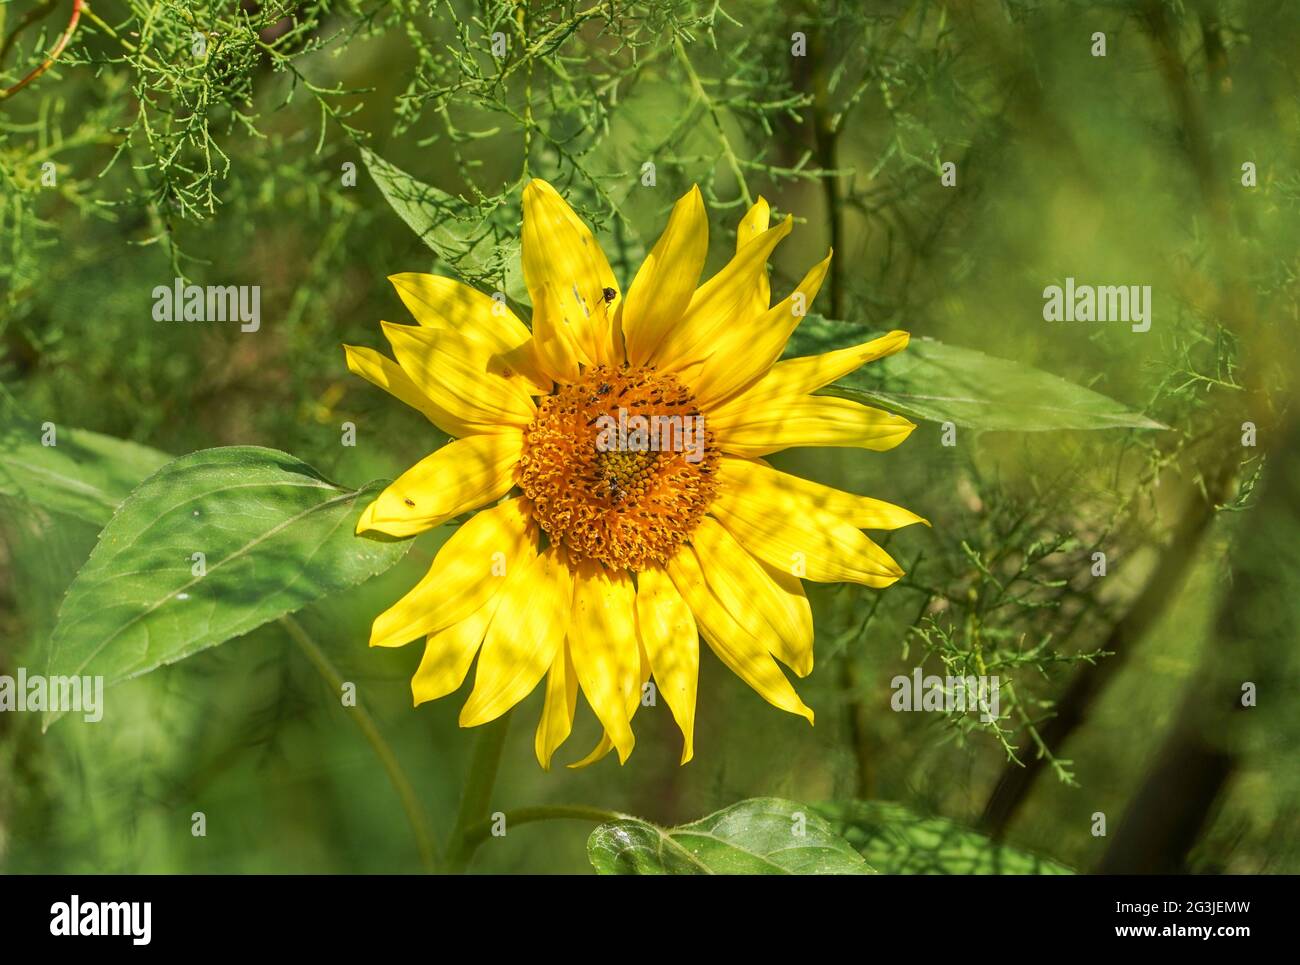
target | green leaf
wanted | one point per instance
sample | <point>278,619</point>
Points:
<point>84,474</point>
<point>760,836</point>
<point>274,534</point>
<point>479,242</point>
<point>896,840</point>
<point>935,382</point>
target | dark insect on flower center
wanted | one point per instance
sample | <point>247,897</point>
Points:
<point>625,498</point>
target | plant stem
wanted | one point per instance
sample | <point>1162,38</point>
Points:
<point>702,96</point>
<point>476,834</point>
<point>826,138</point>
<point>52,56</point>
<point>477,794</point>
<point>410,800</point>
<point>107,28</point>
<point>859,728</point>
<point>1074,706</point>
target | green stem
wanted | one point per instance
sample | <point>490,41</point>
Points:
<point>478,833</point>
<point>410,801</point>
<point>477,794</point>
<point>826,139</point>
<point>126,44</point>
<point>728,154</point>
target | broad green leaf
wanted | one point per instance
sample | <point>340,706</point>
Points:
<point>84,474</point>
<point>759,836</point>
<point>480,243</point>
<point>274,537</point>
<point>895,840</point>
<point>935,382</point>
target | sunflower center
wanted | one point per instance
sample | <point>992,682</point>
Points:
<point>619,466</point>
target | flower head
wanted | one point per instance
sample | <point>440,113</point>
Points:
<point>621,441</point>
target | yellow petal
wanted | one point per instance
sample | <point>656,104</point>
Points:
<point>603,644</point>
<point>560,251</point>
<point>810,420</point>
<point>448,654</point>
<point>557,710</point>
<point>771,607</point>
<point>667,278</point>
<point>389,376</point>
<point>751,226</point>
<point>797,538</point>
<point>745,353</point>
<point>598,753</point>
<point>469,568</point>
<point>800,376</point>
<point>754,223</point>
<point>524,638</point>
<point>761,482</point>
<point>725,300</point>
<point>672,645</point>
<point>556,336</point>
<point>744,655</point>
<point>459,377</point>
<point>438,302</point>
<point>606,744</point>
<point>460,476</point>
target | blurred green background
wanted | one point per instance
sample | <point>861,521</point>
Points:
<point>1116,169</point>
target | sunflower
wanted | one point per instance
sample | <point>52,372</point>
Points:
<point>621,443</point>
